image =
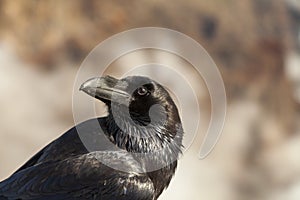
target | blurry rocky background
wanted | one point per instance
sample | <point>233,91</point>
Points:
<point>255,43</point>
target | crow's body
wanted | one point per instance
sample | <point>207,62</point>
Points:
<point>65,169</point>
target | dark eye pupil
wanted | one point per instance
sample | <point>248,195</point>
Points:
<point>142,91</point>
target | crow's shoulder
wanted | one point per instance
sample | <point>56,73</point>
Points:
<point>81,177</point>
<point>70,143</point>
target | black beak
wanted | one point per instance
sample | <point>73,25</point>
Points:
<point>106,88</point>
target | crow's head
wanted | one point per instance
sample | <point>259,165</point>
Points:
<point>142,115</point>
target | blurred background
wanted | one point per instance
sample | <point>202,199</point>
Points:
<point>255,44</point>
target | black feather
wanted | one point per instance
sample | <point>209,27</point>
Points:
<point>147,148</point>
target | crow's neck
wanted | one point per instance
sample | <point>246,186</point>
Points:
<point>161,143</point>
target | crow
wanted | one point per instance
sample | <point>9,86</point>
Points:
<point>131,153</point>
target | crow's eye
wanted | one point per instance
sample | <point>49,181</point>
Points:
<point>142,91</point>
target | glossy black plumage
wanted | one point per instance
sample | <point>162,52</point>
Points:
<point>65,169</point>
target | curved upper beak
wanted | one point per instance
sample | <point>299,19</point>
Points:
<point>105,88</point>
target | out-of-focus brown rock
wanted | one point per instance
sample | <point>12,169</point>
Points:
<point>248,39</point>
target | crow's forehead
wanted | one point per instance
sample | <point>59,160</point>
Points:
<point>133,82</point>
<point>137,80</point>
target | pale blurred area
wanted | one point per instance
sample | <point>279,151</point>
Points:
<point>255,44</point>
